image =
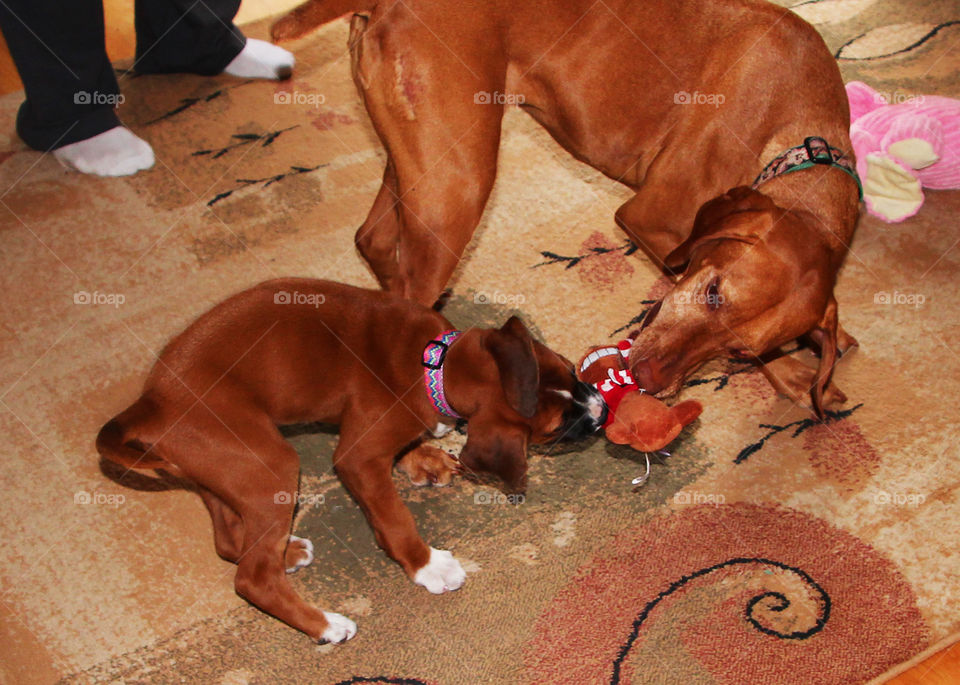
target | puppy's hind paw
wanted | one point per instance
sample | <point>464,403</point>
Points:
<point>299,554</point>
<point>340,629</point>
<point>442,573</point>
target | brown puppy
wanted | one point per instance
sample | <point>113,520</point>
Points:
<point>680,100</point>
<point>296,350</point>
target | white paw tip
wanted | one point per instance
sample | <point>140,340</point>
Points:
<point>308,547</point>
<point>340,629</point>
<point>443,573</point>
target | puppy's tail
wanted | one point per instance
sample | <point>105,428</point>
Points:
<point>315,13</point>
<point>122,450</point>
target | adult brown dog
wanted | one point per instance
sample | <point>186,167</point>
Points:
<point>680,100</point>
<point>296,350</point>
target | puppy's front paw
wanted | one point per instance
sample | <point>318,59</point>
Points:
<point>299,554</point>
<point>340,629</point>
<point>442,573</point>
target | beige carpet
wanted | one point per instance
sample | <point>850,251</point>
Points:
<point>853,522</point>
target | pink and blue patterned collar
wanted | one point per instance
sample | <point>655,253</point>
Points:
<point>434,354</point>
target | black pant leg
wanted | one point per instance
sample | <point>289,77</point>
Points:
<point>58,48</point>
<point>196,36</point>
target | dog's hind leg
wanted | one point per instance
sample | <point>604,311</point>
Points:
<point>251,473</point>
<point>377,239</point>
<point>262,569</point>
<point>228,535</point>
<point>227,526</point>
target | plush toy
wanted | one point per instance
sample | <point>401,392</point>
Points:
<point>902,148</point>
<point>634,417</point>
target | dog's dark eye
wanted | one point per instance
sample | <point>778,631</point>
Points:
<point>713,297</point>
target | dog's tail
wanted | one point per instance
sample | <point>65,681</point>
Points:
<point>313,14</point>
<point>121,450</point>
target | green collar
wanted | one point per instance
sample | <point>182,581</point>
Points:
<point>815,151</point>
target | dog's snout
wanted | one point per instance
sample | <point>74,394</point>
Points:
<point>647,374</point>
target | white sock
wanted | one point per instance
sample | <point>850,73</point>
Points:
<point>260,59</point>
<point>115,152</point>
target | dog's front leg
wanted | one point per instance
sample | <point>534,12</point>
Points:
<point>794,379</point>
<point>367,475</point>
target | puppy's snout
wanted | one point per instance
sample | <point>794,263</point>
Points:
<point>586,414</point>
<point>592,401</point>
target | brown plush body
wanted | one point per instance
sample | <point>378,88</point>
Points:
<point>639,419</point>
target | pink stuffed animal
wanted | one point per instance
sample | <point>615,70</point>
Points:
<point>902,148</point>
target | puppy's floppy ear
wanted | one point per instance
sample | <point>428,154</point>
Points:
<point>825,335</point>
<point>512,349</point>
<point>714,222</point>
<point>496,449</point>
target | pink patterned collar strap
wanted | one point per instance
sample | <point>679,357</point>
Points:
<point>434,354</point>
<point>814,151</point>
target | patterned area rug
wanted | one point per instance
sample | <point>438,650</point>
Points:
<point>767,548</point>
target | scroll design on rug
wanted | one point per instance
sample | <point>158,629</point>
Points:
<point>888,41</point>
<point>382,679</point>
<point>703,632</point>
<point>782,603</point>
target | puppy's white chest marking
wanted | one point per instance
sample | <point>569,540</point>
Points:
<point>442,429</point>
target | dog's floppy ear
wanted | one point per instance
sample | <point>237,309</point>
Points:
<point>512,349</point>
<point>714,222</point>
<point>494,449</point>
<point>825,334</point>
